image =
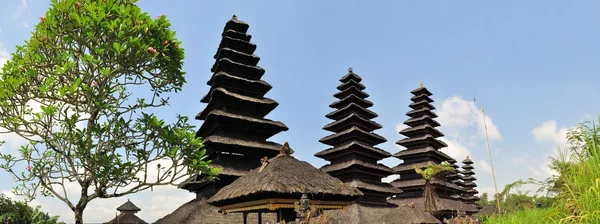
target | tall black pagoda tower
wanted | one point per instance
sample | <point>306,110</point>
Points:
<point>235,130</point>
<point>353,156</point>
<point>469,185</point>
<point>423,148</point>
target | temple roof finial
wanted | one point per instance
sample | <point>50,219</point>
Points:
<point>350,69</point>
<point>421,85</point>
<point>467,156</point>
<point>234,17</point>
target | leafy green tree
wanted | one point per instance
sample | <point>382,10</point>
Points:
<point>18,212</point>
<point>68,91</point>
<point>430,173</point>
<point>483,200</point>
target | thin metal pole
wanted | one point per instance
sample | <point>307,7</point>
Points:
<point>487,138</point>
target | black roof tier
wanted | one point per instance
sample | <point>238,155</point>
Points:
<point>237,56</point>
<point>351,109</point>
<point>260,128</point>
<point>353,134</point>
<point>354,147</point>
<point>422,97</point>
<point>377,168</point>
<point>421,104</point>
<point>351,76</point>
<point>241,145</point>
<point>425,152</point>
<point>238,69</point>
<point>351,90</point>
<point>220,97</point>
<point>420,91</point>
<point>235,24</point>
<point>236,84</point>
<point>236,44</point>
<point>351,83</point>
<point>421,130</point>
<point>351,99</point>
<point>421,112</point>
<point>416,121</point>
<point>352,120</point>
<point>428,139</point>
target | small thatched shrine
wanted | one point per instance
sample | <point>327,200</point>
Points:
<point>423,148</point>
<point>127,215</point>
<point>470,193</point>
<point>234,130</point>
<point>278,185</point>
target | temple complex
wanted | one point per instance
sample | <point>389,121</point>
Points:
<point>262,182</point>
<point>353,156</point>
<point>235,130</point>
<point>469,195</point>
<point>127,214</point>
<point>423,148</point>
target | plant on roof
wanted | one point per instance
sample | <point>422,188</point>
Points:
<point>82,92</point>
<point>430,173</point>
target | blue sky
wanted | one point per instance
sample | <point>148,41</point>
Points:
<point>532,64</point>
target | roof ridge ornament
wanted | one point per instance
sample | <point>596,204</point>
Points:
<point>234,18</point>
<point>265,162</point>
<point>421,85</point>
<point>350,70</point>
<point>285,150</point>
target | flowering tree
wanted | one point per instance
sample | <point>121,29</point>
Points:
<point>68,91</point>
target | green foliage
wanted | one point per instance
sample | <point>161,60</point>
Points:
<point>483,200</point>
<point>68,90</point>
<point>533,216</point>
<point>18,212</point>
<point>576,187</point>
<point>431,172</point>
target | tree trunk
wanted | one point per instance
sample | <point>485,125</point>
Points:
<point>78,215</point>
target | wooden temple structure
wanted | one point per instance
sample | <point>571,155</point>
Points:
<point>127,215</point>
<point>470,193</point>
<point>423,148</point>
<point>278,184</point>
<point>235,130</point>
<point>261,182</point>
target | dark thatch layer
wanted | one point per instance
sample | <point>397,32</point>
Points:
<point>197,211</point>
<point>488,211</point>
<point>382,152</point>
<point>126,218</point>
<point>402,183</point>
<point>406,215</point>
<point>284,175</point>
<point>379,187</point>
<point>361,213</point>
<point>443,204</point>
<point>128,206</point>
<point>349,163</point>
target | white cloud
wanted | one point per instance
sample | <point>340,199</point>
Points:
<point>485,167</point>
<point>455,112</point>
<point>548,131</point>
<point>455,149</point>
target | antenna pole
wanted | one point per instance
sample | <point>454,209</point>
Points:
<point>487,138</point>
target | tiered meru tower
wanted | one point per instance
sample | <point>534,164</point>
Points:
<point>353,156</point>
<point>468,184</point>
<point>235,131</point>
<point>422,147</point>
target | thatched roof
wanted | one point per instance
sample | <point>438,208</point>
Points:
<point>128,206</point>
<point>197,211</point>
<point>407,215</point>
<point>126,218</point>
<point>443,204</point>
<point>286,176</point>
<point>360,213</point>
<point>488,211</point>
